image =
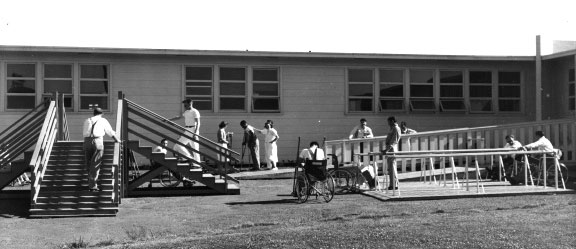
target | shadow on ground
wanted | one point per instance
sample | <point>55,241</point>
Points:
<point>11,208</point>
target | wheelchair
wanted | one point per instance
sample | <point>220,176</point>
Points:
<point>314,180</point>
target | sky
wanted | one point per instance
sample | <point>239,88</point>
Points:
<point>447,27</point>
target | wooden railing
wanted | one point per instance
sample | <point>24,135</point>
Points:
<point>117,161</point>
<point>562,134</point>
<point>39,160</point>
<point>169,130</point>
<point>472,155</point>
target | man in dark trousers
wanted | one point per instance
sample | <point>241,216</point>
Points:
<point>93,131</point>
<point>251,140</point>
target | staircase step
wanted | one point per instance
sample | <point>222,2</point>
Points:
<point>72,212</point>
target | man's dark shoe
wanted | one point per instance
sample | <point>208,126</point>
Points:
<point>390,188</point>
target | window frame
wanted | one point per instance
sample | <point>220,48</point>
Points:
<point>571,90</point>
<point>382,83</point>
<point>520,85</point>
<point>108,84</point>
<point>490,84</point>
<point>360,98</point>
<point>254,97</point>
<point>458,99</point>
<point>70,95</point>
<point>195,97</point>
<point>7,95</point>
<point>413,100</point>
<point>246,89</point>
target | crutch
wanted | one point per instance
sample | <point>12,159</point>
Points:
<point>242,159</point>
<point>296,168</point>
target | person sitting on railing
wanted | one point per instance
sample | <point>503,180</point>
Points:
<point>405,130</point>
<point>361,131</point>
<point>93,130</point>
<point>508,161</point>
<point>392,140</point>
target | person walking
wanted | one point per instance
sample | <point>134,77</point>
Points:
<point>392,140</point>
<point>192,124</point>
<point>271,136</point>
<point>93,130</point>
<point>222,140</point>
<point>251,140</point>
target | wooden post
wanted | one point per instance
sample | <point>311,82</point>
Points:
<point>538,87</point>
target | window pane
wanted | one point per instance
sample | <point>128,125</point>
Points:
<point>481,105</point>
<point>360,75</point>
<point>262,89</point>
<point>266,104</point>
<point>231,73</point>
<point>21,70</point>
<point>422,76</point>
<point>509,91</point>
<point>268,74</point>
<point>423,104</point>
<point>232,89</point>
<point>450,91</point>
<point>480,91</point>
<point>94,71</point>
<point>480,77</point>
<point>198,73</point>
<point>389,75</point>
<point>86,101</point>
<point>358,105</point>
<point>204,84</point>
<point>391,90</point>
<point>452,105</point>
<point>571,90</point>
<point>571,104</point>
<point>57,71</point>
<point>21,86</point>
<point>509,77</point>
<point>571,75</point>
<point>94,87</point>
<point>360,90</point>
<point>392,104</point>
<point>232,104</point>
<point>451,77</point>
<point>202,103</point>
<point>198,91</point>
<point>506,105</point>
<point>21,102</point>
<point>61,86</point>
<point>421,91</point>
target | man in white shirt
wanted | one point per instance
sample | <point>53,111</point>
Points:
<point>392,140</point>
<point>361,130</point>
<point>312,153</point>
<point>93,130</point>
<point>541,144</point>
<point>192,124</point>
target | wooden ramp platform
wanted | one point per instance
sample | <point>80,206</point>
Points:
<point>433,191</point>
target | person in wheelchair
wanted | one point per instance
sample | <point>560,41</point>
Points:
<point>313,153</point>
<point>542,143</point>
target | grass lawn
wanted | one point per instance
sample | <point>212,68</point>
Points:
<point>264,216</point>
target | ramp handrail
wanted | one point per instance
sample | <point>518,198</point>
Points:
<point>39,160</point>
<point>117,161</point>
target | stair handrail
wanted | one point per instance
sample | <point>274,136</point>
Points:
<point>39,160</point>
<point>117,160</point>
<point>20,135</point>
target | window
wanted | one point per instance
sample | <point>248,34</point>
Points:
<point>94,87</point>
<point>480,91</point>
<point>451,91</point>
<point>265,90</point>
<point>571,94</point>
<point>21,86</point>
<point>232,89</point>
<point>360,90</point>
<point>422,90</point>
<point>509,91</point>
<point>391,89</point>
<point>199,84</point>
<point>58,78</point>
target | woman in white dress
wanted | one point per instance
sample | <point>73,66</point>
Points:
<point>270,144</point>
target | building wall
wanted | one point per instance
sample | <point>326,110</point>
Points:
<point>312,90</point>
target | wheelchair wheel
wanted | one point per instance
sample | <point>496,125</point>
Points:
<point>343,181</point>
<point>168,179</point>
<point>301,188</point>
<point>563,172</point>
<point>327,188</point>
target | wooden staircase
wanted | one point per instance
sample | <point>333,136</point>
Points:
<point>64,188</point>
<point>212,184</point>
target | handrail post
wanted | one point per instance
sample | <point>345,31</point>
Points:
<point>60,106</point>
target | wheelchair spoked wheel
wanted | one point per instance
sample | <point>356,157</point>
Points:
<point>168,179</point>
<point>343,181</point>
<point>327,188</point>
<point>301,188</point>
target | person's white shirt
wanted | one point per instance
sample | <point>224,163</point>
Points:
<point>309,154</point>
<point>514,145</point>
<point>161,149</point>
<point>541,144</point>
<point>101,127</point>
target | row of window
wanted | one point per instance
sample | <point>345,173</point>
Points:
<point>476,91</point>
<point>23,84</point>
<point>571,89</point>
